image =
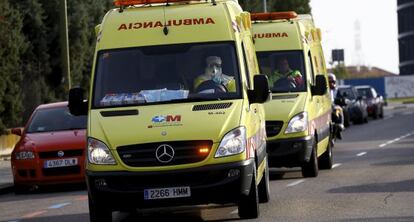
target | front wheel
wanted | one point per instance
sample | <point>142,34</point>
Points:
<point>98,213</point>
<point>310,169</point>
<point>326,160</point>
<point>249,205</point>
<point>264,185</point>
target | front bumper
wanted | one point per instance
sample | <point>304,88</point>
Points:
<point>289,152</point>
<point>219,184</point>
<point>32,172</point>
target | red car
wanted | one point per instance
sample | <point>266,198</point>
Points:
<point>51,149</point>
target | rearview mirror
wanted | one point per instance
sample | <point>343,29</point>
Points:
<point>17,131</point>
<point>320,87</point>
<point>77,105</point>
<point>261,92</point>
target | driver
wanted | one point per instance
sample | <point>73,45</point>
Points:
<point>213,72</point>
<point>284,71</point>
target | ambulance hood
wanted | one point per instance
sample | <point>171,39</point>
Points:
<point>168,122</point>
<point>284,106</point>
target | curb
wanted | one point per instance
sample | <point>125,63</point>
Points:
<point>5,157</point>
<point>400,107</point>
<point>6,188</point>
<point>395,107</point>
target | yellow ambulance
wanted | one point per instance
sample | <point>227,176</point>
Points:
<point>175,109</point>
<point>298,119</point>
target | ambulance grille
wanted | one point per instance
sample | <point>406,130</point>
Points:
<point>273,128</point>
<point>211,106</point>
<point>144,155</point>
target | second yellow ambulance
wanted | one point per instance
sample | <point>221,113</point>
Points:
<point>298,119</point>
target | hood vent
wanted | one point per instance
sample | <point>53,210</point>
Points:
<point>211,106</point>
<point>285,96</point>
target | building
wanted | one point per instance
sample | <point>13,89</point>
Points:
<point>406,36</point>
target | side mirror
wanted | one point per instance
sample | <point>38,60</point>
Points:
<point>261,92</point>
<point>320,86</point>
<point>17,131</point>
<point>77,105</point>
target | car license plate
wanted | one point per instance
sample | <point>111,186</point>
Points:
<point>61,163</point>
<point>165,193</point>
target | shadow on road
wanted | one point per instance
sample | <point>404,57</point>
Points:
<point>45,192</point>
<point>380,219</point>
<point>401,186</point>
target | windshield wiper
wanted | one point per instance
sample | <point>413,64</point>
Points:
<point>195,99</point>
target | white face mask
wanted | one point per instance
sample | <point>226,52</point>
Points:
<point>215,73</point>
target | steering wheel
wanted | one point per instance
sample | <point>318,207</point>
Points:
<point>210,86</point>
<point>285,83</point>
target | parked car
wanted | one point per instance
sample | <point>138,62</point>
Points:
<point>374,101</point>
<point>51,149</point>
<point>355,108</point>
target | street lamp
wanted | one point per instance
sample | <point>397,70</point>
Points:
<point>64,42</point>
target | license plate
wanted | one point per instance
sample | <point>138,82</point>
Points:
<point>61,163</point>
<point>166,193</point>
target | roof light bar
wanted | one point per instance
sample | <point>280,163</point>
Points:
<point>144,2</point>
<point>274,15</point>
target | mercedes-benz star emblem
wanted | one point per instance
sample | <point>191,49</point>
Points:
<point>164,153</point>
<point>60,153</point>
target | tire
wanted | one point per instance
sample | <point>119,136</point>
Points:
<point>326,160</point>
<point>347,121</point>
<point>21,189</point>
<point>381,115</point>
<point>264,185</point>
<point>310,169</point>
<point>98,213</point>
<point>360,119</point>
<point>365,120</point>
<point>248,206</point>
<point>375,115</point>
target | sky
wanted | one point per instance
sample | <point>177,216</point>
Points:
<point>378,30</point>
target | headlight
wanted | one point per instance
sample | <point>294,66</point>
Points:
<point>25,155</point>
<point>98,153</point>
<point>298,123</point>
<point>234,142</point>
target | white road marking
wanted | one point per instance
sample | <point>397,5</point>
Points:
<point>57,206</point>
<point>361,154</point>
<point>396,139</point>
<point>388,117</point>
<point>234,211</point>
<point>336,165</point>
<point>295,183</point>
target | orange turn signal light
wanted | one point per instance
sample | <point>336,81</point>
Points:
<point>204,150</point>
<point>274,15</point>
<point>144,2</point>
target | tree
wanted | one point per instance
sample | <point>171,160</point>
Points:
<point>12,45</point>
<point>300,6</point>
<point>252,6</point>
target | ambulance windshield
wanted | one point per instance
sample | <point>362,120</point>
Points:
<point>166,74</point>
<point>284,69</point>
